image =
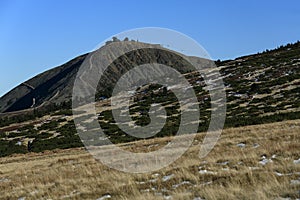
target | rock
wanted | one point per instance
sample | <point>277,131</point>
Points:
<point>107,196</point>
<point>295,182</point>
<point>297,161</point>
<point>241,145</point>
<point>204,171</point>
<point>168,177</point>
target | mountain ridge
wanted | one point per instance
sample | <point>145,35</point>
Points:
<point>38,90</point>
<point>54,86</point>
<point>260,88</point>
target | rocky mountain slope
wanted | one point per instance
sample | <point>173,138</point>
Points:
<point>55,86</point>
<point>260,88</point>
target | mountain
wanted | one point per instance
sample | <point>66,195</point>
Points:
<point>55,86</point>
<point>260,88</point>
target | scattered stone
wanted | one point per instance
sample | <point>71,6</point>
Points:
<point>182,183</point>
<point>206,183</point>
<point>4,180</point>
<point>155,175</point>
<point>203,162</point>
<point>19,143</point>
<point>255,145</point>
<point>168,177</point>
<point>153,180</point>
<point>34,192</point>
<point>140,182</point>
<point>146,190</point>
<point>223,163</point>
<point>280,174</point>
<point>225,169</point>
<point>297,161</point>
<point>168,197</point>
<point>198,198</point>
<point>295,182</point>
<point>254,168</point>
<point>158,194</point>
<point>265,160</point>
<point>107,196</point>
<point>241,145</point>
<point>204,171</point>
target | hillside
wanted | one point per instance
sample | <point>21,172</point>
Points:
<point>260,88</point>
<point>55,86</point>
<point>249,162</point>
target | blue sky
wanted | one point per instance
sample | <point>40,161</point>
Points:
<point>38,35</point>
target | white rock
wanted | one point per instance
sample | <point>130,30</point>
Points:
<point>155,175</point>
<point>158,194</point>
<point>204,171</point>
<point>295,182</point>
<point>165,190</point>
<point>254,168</point>
<point>4,180</point>
<point>241,145</point>
<point>140,182</point>
<point>168,197</point>
<point>297,161</point>
<point>265,161</point>
<point>278,174</point>
<point>107,196</point>
<point>182,183</point>
<point>146,190</point>
<point>223,163</point>
<point>34,192</point>
<point>168,177</point>
<point>19,143</point>
<point>206,183</point>
<point>198,198</point>
<point>153,180</point>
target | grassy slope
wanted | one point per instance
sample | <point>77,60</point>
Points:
<point>260,88</point>
<point>232,172</point>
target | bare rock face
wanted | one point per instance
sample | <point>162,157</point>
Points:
<point>51,86</point>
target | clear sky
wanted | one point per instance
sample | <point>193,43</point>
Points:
<point>38,35</point>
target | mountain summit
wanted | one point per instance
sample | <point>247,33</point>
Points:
<point>55,86</point>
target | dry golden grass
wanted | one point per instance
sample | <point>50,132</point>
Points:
<point>228,172</point>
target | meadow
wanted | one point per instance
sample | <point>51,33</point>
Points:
<point>251,162</point>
